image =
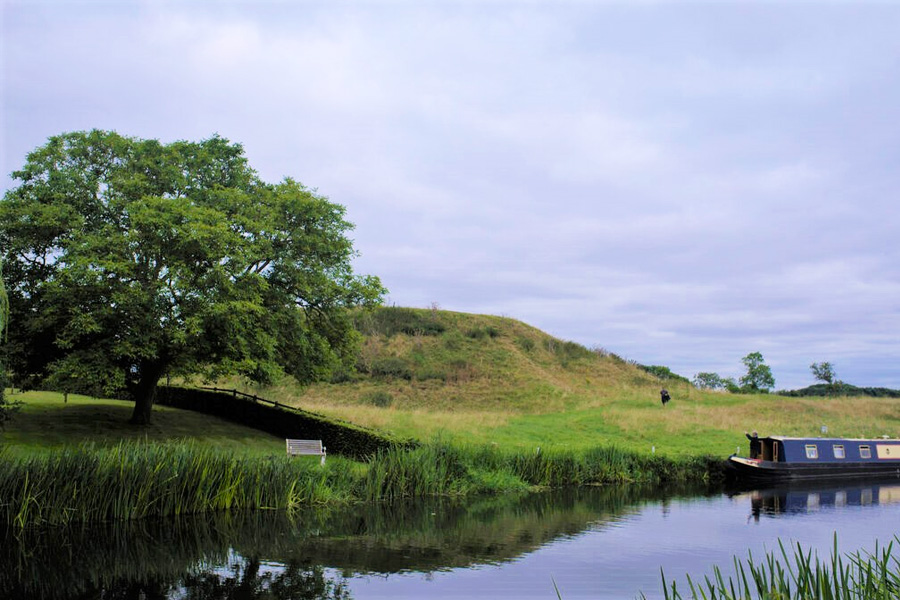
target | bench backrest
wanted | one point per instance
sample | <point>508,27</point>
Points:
<point>305,447</point>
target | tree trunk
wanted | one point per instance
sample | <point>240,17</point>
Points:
<point>145,392</point>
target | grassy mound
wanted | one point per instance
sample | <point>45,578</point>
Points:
<point>486,379</point>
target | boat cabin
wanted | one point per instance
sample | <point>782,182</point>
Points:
<point>827,450</point>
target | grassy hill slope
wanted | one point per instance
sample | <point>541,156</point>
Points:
<point>484,379</point>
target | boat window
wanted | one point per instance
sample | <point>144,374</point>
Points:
<point>865,452</point>
<point>838,451</point>
<point>812,451</point>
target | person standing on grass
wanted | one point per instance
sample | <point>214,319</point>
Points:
<point>664,396</point>
<point>755,444</point>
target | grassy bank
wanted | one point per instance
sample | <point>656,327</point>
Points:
<point>142,479</point>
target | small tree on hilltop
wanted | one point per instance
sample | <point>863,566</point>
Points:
<point>759,377</point>
<point>824,372</point>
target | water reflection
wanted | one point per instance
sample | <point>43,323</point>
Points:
<point>800,498</point>
<point>305,556</point>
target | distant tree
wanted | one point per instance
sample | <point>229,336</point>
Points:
<point>663,372</point>
<point>129,259</point>
<point>709,381</point>
<point>824,372</point>
<point>759,377</point>
<point>731,385</point>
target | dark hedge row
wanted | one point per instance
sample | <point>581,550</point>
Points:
<point>841,389</point>
<point>345,439</point>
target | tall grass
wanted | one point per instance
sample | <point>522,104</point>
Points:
<point>801,574</point>
<point>135,480</point>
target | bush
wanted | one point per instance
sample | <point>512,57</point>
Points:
<point>392,320</point>
<point>379,398</point>
<point>526,344</point>
<point>392,366</point>
<point>453,340</point>
<point>342,376</point>
<point>567,351</point>
<point>479,333</point>
<point>663,372</point>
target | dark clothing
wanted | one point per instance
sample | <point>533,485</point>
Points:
<point>664,396</point>
<point>755,445</point>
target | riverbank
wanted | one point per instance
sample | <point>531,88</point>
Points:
<point>134,480</point>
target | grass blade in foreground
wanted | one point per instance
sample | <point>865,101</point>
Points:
<point>857,576</point>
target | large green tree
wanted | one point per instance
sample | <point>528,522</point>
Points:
<point>129,259</point>
<point>759,376</point>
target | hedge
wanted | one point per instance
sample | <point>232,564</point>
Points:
<point>338,437</point>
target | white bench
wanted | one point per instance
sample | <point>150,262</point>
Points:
<point>306,448</point>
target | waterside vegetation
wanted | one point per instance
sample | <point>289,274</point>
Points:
<point>801,574</point>
<point>140,479</point>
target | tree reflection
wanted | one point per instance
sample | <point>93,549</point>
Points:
<point>307,555</point>
<point>245,580</point>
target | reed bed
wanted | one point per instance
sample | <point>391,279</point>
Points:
<point>801,575</point>
<point>133,480</point>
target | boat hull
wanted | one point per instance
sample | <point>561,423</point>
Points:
<point>748,469</point>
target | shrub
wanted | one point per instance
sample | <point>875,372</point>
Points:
<point>663,372</point>
<point>379,398</point>
<point>526,344</point>
<point>567,351</point>
<point>342,376</point>
<point>392,366</point>
<point>391,320</point>
<point>479,333</point>
<point>453,340</point>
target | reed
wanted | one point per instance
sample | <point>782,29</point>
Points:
<point>133,480</point>
<point>801,574</point>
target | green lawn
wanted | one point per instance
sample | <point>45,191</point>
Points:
<point>46,422</point>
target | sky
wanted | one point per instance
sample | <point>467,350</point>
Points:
<point>680,183</point>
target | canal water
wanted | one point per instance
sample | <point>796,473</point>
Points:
<point>592,543</point>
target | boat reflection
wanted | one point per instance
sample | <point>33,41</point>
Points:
<point>797,499</point>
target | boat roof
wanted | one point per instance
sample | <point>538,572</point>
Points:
<point>785,438</point>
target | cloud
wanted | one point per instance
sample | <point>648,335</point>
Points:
<point>682,184</point>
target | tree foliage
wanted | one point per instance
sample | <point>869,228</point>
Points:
<point>824,372</point>
<point>6,408</point>
<point>130,259</point>
<point>709,381</point>
<point>759,377</point>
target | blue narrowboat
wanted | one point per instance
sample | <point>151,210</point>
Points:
<point>803,459</point>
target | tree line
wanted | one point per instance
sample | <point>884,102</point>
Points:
<point>759,379</point>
